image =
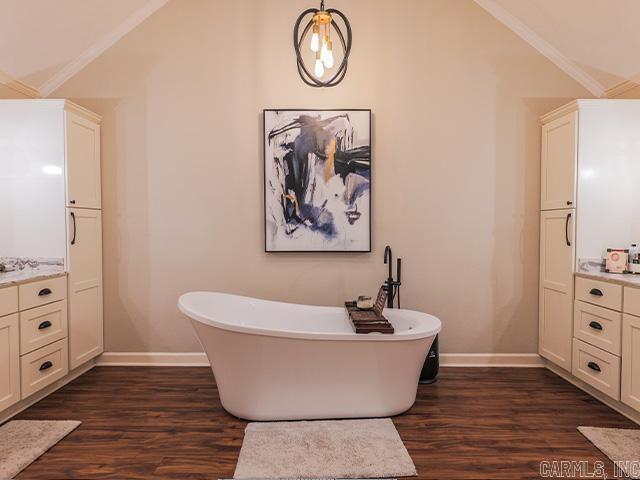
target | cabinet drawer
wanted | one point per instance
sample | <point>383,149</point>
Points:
<point>631,300</point>
<point>8,300</point>
<point>42,325</point>
<point>44,366</point>
<point>597,326</point>
<point>605,294</point>
<point>596,367</point>
<point>42,292</point>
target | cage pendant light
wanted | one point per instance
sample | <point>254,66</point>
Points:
<point>314,30</point>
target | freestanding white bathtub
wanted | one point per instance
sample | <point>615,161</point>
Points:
<point>280,361</point>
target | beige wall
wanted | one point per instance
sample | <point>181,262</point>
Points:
<point>455,98</point>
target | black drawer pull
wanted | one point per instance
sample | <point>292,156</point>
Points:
<point>594,366</point>
<point>43,325</point>
<point>44,292</point>
<point>595,325</point>
<point>46,365</point>
<point>597,292</point>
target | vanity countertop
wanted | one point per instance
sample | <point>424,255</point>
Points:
<point>31,273</point>
<point>593,269</point>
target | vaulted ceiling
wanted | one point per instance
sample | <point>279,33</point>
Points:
<point>43,43</point>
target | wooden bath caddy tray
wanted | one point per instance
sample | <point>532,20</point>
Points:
<point>369,321</point>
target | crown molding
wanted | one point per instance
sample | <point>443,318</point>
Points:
<point>559,112</point>
<point>620,88</point>
<point>542,46</point>
<point>18,86</point>
<point>102,45</point>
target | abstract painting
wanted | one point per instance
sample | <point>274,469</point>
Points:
<point>317,180</point>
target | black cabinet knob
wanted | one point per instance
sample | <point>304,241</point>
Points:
<point>43,325</point>
<point>569,202</point>
<point>72,202</point>
<point>596,292</point>
<point>46,365</point>
<point>594,366</point>
<point>595,325</point>
<point>44,292</point>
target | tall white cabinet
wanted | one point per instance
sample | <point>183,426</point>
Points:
<point>84,233</point>
<point>557,237</point>
<point>51,151</point>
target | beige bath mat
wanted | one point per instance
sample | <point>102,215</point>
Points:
<point>621,445</point>
<point>23,441</point>
<point>323,449</point>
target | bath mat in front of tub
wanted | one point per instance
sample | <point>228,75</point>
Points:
<point>23,441</point>
<point>621,445</point>
<point>368,448</point>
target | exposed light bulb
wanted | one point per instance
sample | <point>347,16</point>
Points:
<point>319,68</point>
<point>324,50</point>
<point>328,58</point>
<point>315,38</point>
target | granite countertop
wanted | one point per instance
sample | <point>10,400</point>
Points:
<point>593,269</point>
<point>32,269</point>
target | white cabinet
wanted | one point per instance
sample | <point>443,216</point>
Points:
<point>558,166</point>
<point>556,286</point>
<point>82,161</point>
<point>85,285</point>
<point>630,393</point>
<point>9,361</point>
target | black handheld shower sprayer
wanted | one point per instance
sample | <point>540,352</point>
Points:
<point>392,286</point>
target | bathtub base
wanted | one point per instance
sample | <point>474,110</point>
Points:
<point>264,378</point>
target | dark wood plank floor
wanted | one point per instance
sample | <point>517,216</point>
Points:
<point>167,423</point>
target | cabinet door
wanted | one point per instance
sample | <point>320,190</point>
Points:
<point>83,162</point>
<point>557,253</point>
<point>9,361</point>
<point>558,167</point>
<point>631,361</point>
<point>85,285</point>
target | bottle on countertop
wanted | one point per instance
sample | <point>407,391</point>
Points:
<point>634,259</point>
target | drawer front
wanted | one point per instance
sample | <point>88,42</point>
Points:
<point>42,292</point>
<point>608,295</point>
<point>43,367</point>
<point>8,300</point>
<point>42,325</point>
<point>596,367</point>
<point>631,301</point>
<point>598,326</point>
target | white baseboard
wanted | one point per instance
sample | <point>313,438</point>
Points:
<point>199,359</point>
<point>153,359</point>
<point>491,360</point>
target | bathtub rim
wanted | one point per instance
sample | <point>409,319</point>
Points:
<point>424,330</point>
